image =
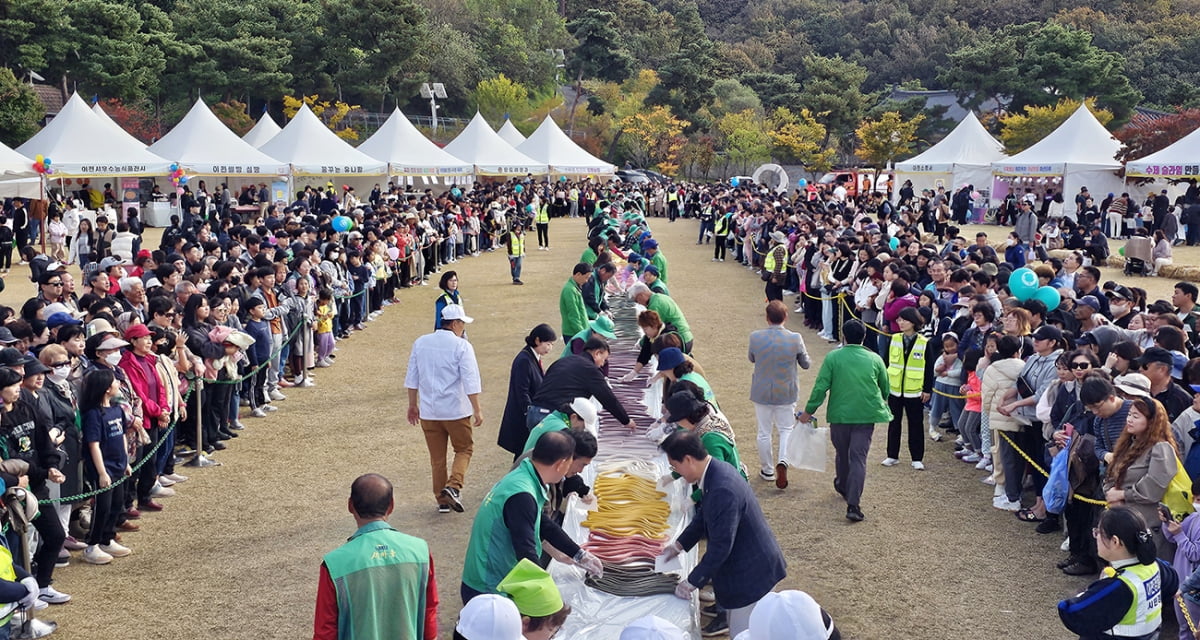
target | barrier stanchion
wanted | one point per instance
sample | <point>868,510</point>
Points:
<point>200,461</point>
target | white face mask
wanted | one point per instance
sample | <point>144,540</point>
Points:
<point>113,358</point>
<point>58,374</point>
<point>1118,309</point>
<point>1011,242</point>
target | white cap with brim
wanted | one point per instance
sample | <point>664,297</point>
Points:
<point>456,312</point>
<point>586,409</point>
<point>652,628</point>
<point>489,617</point>
<point>787,614</point>
<point>111,343</point>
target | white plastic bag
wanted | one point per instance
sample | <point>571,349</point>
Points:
<point>807,447</point>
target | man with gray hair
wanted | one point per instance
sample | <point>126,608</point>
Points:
<point>666,309</point>
<point>184,290</point>
<point>133,296</point>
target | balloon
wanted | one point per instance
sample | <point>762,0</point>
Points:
<point>174,168</point>
<point>345,187</point>
<point>183,180</point>
<point>393,253</point>
<point>734,182</point>
<point>456,192</point>
<point>802,183</point>
<point>562,178</point>
<point>518,188</point>
<point>1121,251</point>
<point>49,171</point>
<point>342,224</point>
<point>1023,283</point>
<point>1048,296</point>
<point>975,195</point>
<point>39,158</point>
<point>46,161</point>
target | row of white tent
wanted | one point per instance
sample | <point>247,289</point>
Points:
<point>84,142</point>
<point>1079,153</point>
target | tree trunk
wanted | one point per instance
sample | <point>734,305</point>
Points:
<point>575,102</point>
<point>612,148</point>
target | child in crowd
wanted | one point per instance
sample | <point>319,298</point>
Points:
<point>325,313</point>
<point>104,425</point>
<point>969,421</point>
<point>360,278</point>
<point>948,369</point>
<point>58,237</point>
<point>258,328</point>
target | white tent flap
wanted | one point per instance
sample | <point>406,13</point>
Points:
<point>263,131</point>
<point>83,145</point>
<point>549,145</point>
<point>313,150</point>
<point>1179,160</point>
<point>409,153</point>
<point>508,132</point>
<point>202,145</point>
<point>479,145</point>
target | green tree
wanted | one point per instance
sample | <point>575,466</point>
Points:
<point>686,78</point>
<point>799,138</point>
<point>773,89</point>
<point>832,91</point>
<point>1019,131</point>
<point>733,97</point>
<point>655,137</point>
<point>744,139</point>
<point>982,70</point>
<point>452,58</point>
<point>598,55</point>
<point>112,56</point>
<point>883,141</point>
<point>514,34</point>
<point>35,35</point>
<point>499,96</point>
<point>374,44</point>
<point>20,110</point>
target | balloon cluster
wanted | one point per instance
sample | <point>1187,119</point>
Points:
<point>342,224</point>
<point>41,164</point>
<point>177,177</point>
<point>733,182</point>
<point>1023,283</point>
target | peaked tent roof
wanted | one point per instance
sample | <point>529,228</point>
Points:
<point>409,153</point>
<point>313,150</point>
<point>969,144</point>
<point>202,145</point>
<point>1178,160</point>
<point>82,145</point>
<point>550,145</point>
<point>508,132</point>
<point>15,165</point>
<point>263,131</point>
<point>1080,143</point>
<point>489,153</point>
<point>107,119</point>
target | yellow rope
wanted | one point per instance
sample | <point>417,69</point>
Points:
<point>1043,471</point>
<point>1187,615</point>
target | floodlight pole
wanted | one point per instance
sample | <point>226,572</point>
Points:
<point>433,111</point>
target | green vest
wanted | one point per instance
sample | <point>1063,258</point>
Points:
<point>589,256</point>
<point>660,261</point>
<point>516,245</point>
<point>666,309</point>
<point>582,335</point>
<point>557,421</point>
<point>543,214</point>
<point>699,381</point>
<point>380,576</point>
<point>1145,615</point>
<point>659,287</point>
<point>907,376</point>
<point>490,554</point>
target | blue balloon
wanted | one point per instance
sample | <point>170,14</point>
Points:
<point>734,182</point>
<point>519,188</point>
<point>1048,296</point>
<point>802,182</point>
<point>342,224</point>
<point>456,192</point>
<point>1023,283</point>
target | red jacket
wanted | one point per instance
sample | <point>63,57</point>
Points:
<point>325,623</point>
<point>152,407</point>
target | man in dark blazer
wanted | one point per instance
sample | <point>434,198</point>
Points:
<point>743,560</point>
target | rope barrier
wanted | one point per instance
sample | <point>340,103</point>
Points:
<point>1042,471</point>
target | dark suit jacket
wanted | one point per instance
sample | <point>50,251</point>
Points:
<point>523,382</point>
<point>743,559</point>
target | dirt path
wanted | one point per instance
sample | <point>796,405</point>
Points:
<point>236,553</point>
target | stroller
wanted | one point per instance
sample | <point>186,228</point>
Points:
<point>1138,255</point>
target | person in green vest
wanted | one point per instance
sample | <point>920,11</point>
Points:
<point>580,414</point>
<point>699,417</point>
<point>656,284</point>
<point>636,262</point>
<point>592,251</point>
<point>673,365</point>
<point>667,310</point>
<point>541,220</point>
<point>656,256</point>
<point>856,381</point>
<point>543,612</point>
<point>577,420</point>
<point>514,243</point>
<point>509,525</point>
<point>593,290</point>
<point>570,300</point>
<point>379,585</point>
<point>602,325</point>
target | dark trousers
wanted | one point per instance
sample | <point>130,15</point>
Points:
<point>851,444</point>
<point>148,474</point>
<point>105,512</point>
<point>543,231</point>
<point>1081,517</point>
<point>1014,465</point>
<point>774,292</point>
<point>672,210</point>
<point>1034,446</point>
<point>467,593</point>
<point>6,256</point>
<point>706,226</point>
<point>913,409</point>
<point>50,530</point>
<point>719,248</point>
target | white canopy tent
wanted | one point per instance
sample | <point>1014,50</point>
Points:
<point>82,145</point>
<point>479,145</point>
<point>550,145</point>
<point>1080,152</point>
<point>964,156</point>
<point>108,121</point>
<point>1177,161</point>
<point>311,149</point>
<point>408,152</point>
<point>202,145</point>
<point>508,132</point>
<point>263,131</point>
<point>15,165</point>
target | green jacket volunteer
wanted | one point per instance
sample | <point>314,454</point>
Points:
<point>570,301</point>
<point>650,248</point>
<point>666,308</point>
<point>380,584</point>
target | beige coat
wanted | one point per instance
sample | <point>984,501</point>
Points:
<point>998,379</point>
<point>1147,479</point>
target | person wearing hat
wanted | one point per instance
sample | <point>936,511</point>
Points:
<point>489,617</point>
<point>575,376</point>
<point>651,628</point>
<point>778,354</point>
<point>650,277</point>
<point>443,385</point>
<point>775,265</point>
<point>1088,312</point>
<point>579,415</point>
<point>602,326</point>
<point>380,584</point>
<point>509,526</point>
<point>577,420</point>
<point>656,256</point>
<point>1157,364</point>
<point>140,365</point>
<point>910,381</point>
<point>666,308</point>
<point>524,379</point>
<point>790,614</point>
<point>743,560</point>
<point>698,416</point>
<point>538,600</point>
<point>514,243</point>
<point>674,365</point>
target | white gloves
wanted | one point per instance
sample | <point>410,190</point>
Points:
<point>684,590</point>
<point>666,480</point>
<point>590,563</point>
<point>31,597</point>
<point>629,377</point>
<point>671,551</point>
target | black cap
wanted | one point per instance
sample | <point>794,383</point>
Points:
<point>10,357</point>
<point>1048,332</point>
<point>1157,354</point>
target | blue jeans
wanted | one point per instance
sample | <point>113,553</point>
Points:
<point>514,265</point>
<point>939,405</point>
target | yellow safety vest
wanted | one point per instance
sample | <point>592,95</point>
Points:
<point>774,264</point>
<point>1145,615</point>
<point>516,245</point>
<point>543,214</point>
<point>672,196</point>
<point>7,573</point>
<point>574,195</point>
<point>907,376</point>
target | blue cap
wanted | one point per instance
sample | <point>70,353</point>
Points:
<point>670,358</point>
<point>650,244</point>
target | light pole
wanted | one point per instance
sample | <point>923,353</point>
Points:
<point>433,93</point>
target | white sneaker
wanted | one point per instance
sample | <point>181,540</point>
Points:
<point>270,408</point>
<point>918,465</point>
<point>983,463</point>
<point>53,596</point>
<point>164,481</point>
<point>972,458</point>
<point>1006,505</point>
<point>307,382</point>
<point>40,604</point>
<point>935,435</point>
<point>95,555</point>
<point>159,491</point>
<point>890,462</point>
<point>989,480</point>
<point>277,395</point>
<point>324,362</point>
<point>258,413</point>
<point>177,477</point>
<point>116,549</point>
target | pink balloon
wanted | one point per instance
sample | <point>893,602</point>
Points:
<point>393,253</point>
<point>975,195</point>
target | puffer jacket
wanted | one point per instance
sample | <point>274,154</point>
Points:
<point>997,380</point>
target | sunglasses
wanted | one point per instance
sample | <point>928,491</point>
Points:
<point>55,365</point>
<point>1079,366</point>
